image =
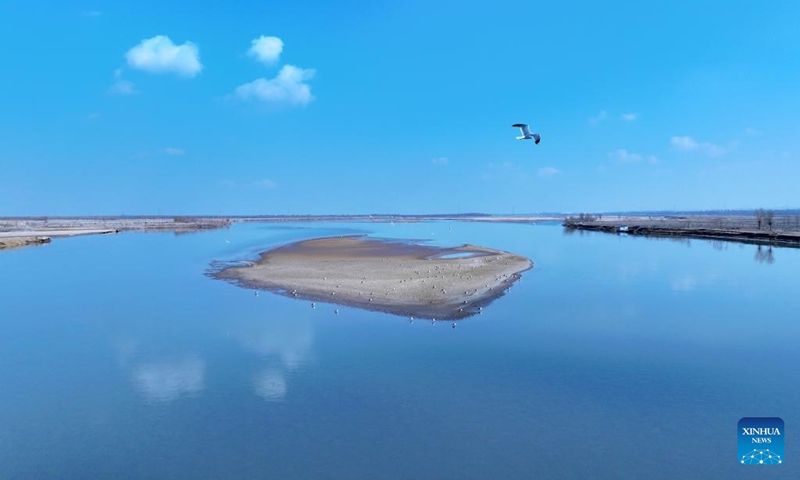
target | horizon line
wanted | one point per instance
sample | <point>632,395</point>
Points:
<point>386,215</point>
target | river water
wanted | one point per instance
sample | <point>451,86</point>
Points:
<point>614,357</point>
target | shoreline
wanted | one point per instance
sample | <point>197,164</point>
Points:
<point>171,222</point>
<point>9,242</point>
<point>57,227</point>
<point>392,276</point>
<point>731,229</point>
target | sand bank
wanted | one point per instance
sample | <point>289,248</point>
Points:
<point>391,276</point>
<point>55,232</point>
<point>17,242</point>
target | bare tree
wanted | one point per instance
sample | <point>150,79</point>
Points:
<point>769,218</point>
<point>759,217</point>
<point>583,217</point>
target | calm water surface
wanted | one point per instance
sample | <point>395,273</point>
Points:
<point>615,357</point>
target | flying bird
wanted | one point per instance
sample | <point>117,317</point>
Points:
<point>527,134</point>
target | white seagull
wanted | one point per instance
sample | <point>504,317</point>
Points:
<point>527,134</point>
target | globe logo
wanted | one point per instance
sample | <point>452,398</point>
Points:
<point>761,457</point>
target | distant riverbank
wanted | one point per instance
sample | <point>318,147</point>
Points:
<point>51,227</point>
<point>781,231</point>
<point>191,222</point>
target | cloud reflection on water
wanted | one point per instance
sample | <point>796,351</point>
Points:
<point>270,384</point>
<point>284,347</point>
<point>163,382</point>
<point>290,342</point>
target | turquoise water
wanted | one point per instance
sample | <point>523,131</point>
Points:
<point>615,357</point>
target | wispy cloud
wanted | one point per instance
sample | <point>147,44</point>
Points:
<point>92,13</point>
<point>630,117</point>
<point>264,184</point>
<point>624,156</point>
<point>752,132</point>
<point>689,144</point>
<point>174,151</point>
<point>546,172</point>
<point>160,55</point>
<point>440,161</point>
<point>505,171</point>
<point>289,87</point>
<point>599,118</point>
<point>121,86</point>
<point>266,50</point>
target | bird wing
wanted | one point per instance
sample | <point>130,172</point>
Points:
<point>525,130</point>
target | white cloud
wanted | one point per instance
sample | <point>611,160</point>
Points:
<point>630,117</point>
<point>120,86</point>
<point>265,183</point>
<point>288,87</point>
<point>92,13</point>
<point>266,50</point>
<point>548,171</point>
<point>599,118</point>
<point>160,55</point>
<point>684,143</point>
<point>689,144</point>
<point>751,131</point>
<point>506,171</point>
<point>174,151</point>
<point>625,156</point>
<point>440,161</point>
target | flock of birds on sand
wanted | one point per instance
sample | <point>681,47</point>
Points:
<point>504,278</point>
<point>336,311</point>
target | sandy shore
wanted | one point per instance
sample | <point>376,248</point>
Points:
<point>24,238</point>
<point>391,276</point>
<point>56,232</point>
<point>111,224</point>
<point>8,242</point>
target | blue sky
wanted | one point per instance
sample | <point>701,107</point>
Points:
<point>397,107</point>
